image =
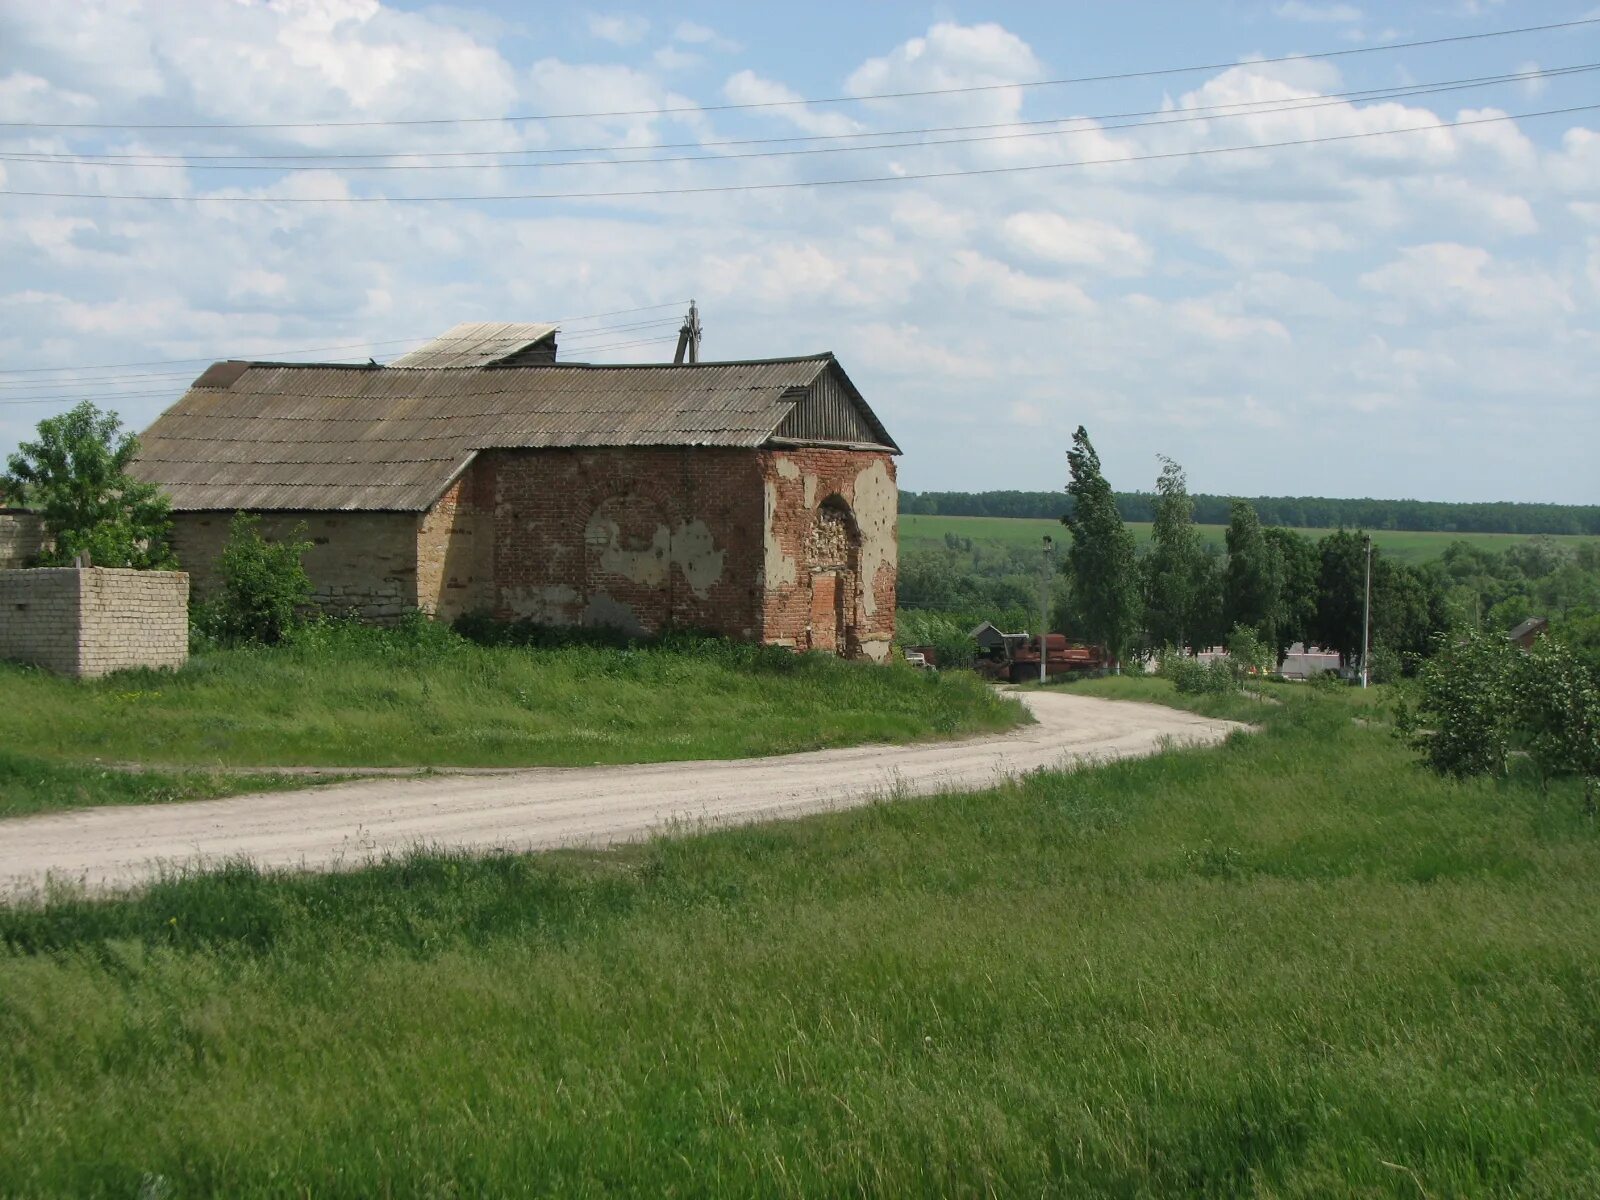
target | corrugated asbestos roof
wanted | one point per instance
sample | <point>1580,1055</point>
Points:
<point>295,436</point>
<point>475,344</point>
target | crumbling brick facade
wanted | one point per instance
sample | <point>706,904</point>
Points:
<point>795,547</point>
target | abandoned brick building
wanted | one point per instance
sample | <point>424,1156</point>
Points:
<point>754,499</point>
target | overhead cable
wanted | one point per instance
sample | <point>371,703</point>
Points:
<point>969,89</point>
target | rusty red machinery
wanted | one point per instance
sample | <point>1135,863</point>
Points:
<point>1061,657</point>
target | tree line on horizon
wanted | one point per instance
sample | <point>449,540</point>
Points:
<point>1292,512</point>
<point>1275,586</point>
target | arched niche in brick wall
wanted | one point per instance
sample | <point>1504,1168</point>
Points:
<point>833,565</point>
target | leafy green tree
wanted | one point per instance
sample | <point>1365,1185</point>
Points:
<point>1175,570</point>
<point>1297,597</point>
<point>1253,581</point>
<point>1463,721</point>
<point>1556,707</point>
<point>1341,583</point>
<point>76,477</point>
<point>1102,561</point>
<point>263,584</point>
<point>1407,611</point>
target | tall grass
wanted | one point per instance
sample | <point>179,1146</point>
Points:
<point>1292,966</point>
<point>347,695</point>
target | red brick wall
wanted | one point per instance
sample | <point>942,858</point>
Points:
<point>641,539</point>
<point>797,483</point>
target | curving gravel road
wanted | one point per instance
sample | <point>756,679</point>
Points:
<point>343,825</point>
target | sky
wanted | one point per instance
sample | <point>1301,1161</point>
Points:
<point>1408,314</point>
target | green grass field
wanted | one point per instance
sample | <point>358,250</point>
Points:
<point>1293,966</point>
<point>34,785</point>
<point>919,532</point>
<point>348,696</point>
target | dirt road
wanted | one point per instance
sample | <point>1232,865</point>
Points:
<point>343,825</point>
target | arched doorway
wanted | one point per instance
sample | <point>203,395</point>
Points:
<point>833,562</point>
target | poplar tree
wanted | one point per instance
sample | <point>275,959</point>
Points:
<point>1253,583</point>
<point>1175,570</point>
<point>1101,560</point>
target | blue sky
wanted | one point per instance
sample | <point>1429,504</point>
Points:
<point>1402,315</point>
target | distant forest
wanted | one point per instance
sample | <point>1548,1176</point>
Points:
<point>1294,512</point>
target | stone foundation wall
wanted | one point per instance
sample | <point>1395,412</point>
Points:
<point>362,562</point>
<point>94,621</point>
<point>21,538</point>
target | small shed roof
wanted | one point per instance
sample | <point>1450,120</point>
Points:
<point>266,436</point>
<point>476,344</point>
<point>1528,628</point>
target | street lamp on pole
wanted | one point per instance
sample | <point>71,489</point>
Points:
<point>1044,602</point>
<point>1366,615</point>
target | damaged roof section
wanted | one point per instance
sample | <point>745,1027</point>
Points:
<point>265,436</point>
<point>478,344</point>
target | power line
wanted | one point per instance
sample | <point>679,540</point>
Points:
<point>209,358</point>
<point>266,161</point>
<point>103,397</point>
<point>47,390</point>
<point>767,104</point>
<point>1171,117</point>
<point>790,185</point>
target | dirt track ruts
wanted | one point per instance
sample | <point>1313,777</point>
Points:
<point>344,825</point>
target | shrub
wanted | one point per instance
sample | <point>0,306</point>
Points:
<point>263,585</point>
<point>1556,714</point>
<point>1192,677</point>
<point>1462,722</point>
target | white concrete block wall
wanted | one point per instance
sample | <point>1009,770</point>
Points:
<point>96,620</point>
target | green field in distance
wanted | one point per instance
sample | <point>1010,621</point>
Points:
<point>921,532</point>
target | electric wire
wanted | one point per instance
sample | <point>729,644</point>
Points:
<point>1166,116</point>
<point>791,185</point>
<point>207,358</point>
<point>969,89</point>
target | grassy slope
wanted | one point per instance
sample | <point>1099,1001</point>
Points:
<point>371,698</point>
<point>1294,966</point>
<point>34,785</point>
<point>919,532</point>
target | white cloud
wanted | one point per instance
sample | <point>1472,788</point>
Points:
<point>694,34</point>
<point>1427,281</point>
<point>1300,10</point>
<point>620,29</point>
<point>785,103</point>
<point>1077,241</point>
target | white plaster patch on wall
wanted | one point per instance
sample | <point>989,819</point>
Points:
<point>697,556</point>
<point>781,568</point>
<point>876,511</point>
<point>689,546</point>
<point>877,649</point>
<point>811,491</point>
<point>787,468</point>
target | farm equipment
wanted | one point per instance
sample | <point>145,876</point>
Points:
<point>1061,657</point>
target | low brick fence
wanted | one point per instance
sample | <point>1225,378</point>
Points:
<point>90,621</point>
